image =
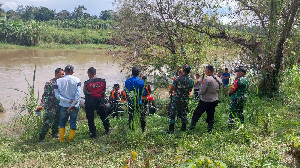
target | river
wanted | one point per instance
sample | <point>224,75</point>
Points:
<point>16,65</point>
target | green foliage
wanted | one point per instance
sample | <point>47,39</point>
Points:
<point>204,162</point>
<point>73,36</point>
<point>18,32</point>
<point>33,33</point>
<point>106,15</point>
<point>82,23</point>
<point>290,87</point>
<point>44,14</point>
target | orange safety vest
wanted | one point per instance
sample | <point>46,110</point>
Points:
<point>123,96</point>
<point>112,94</point>
<point>147,89</point>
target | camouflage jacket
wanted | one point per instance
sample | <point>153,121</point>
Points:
<point>183,85</point>
<point>240,85</point>
<point>48,99</point>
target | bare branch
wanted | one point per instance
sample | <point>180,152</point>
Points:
<point>256,11</point>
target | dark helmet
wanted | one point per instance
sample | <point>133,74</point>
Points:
<point>240,69</point>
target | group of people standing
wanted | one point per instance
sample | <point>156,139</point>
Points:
<point>61,99</point>
<point>208,88</point>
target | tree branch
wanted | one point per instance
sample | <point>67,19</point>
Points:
<point>251,45</point>
<point>256,11</point>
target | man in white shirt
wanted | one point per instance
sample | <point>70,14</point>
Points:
<point>67,89</point>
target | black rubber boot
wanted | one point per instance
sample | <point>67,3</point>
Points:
<point>93,135</point>
<point>171,129</point>
<point>143,127</point>
<point>183,127</point>
<point>106,126</point>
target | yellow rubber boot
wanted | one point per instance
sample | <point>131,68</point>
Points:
<point>71,134</point>
<point>62,134</point>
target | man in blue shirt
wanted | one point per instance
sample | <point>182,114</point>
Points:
<point>67,89</point>
<point>134,88</point>
<point>225,78</point>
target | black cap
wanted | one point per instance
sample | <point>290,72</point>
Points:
<point>135,71</point>
<point>116,85</point>
<point>240,69</point>
<point>210,68</point>
<point>69,68</point>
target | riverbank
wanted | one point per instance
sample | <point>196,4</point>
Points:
<point>60,46</point>
<point>264,140</point>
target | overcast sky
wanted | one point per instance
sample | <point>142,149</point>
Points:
<point>93,6</point>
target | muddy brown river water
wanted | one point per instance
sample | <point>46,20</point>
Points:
<point>15,65</point>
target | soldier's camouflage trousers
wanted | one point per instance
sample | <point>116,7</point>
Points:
<point>180,108</point>
<point>236,107</point>
<point>51,120</point>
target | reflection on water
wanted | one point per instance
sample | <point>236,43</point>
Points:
<point>15,65</point>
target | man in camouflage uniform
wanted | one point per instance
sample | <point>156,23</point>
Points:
<point>238,95</point>
<point>51,105</point>
<point>181,86</point>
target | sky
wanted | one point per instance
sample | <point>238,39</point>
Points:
<point>94,7</point>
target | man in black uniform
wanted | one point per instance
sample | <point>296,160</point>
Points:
<point>94,91</point>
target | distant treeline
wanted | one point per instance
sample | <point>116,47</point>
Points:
<point>41,13</point>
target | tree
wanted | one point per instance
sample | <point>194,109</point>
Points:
<point>274,20</point>
<point>44,14</point>
<point>78,12</point>
<point>106,14</point>
<point>141,31</point>
<point>258,27</point>
<point>11,14</point>
<point>28,12</point>
<point>2,12</point>
<point>63,15</point>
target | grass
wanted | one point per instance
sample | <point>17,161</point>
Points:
<point>250,146</point>
<point>59,46</point>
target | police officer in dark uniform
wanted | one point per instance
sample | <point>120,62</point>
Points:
<point>94,91</point>
<point>210,91</point>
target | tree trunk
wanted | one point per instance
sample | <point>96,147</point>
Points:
<point>270,82</point>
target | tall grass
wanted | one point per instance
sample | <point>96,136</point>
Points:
<point>26,118</point>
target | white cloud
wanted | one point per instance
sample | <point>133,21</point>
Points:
<point>10,5</point>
